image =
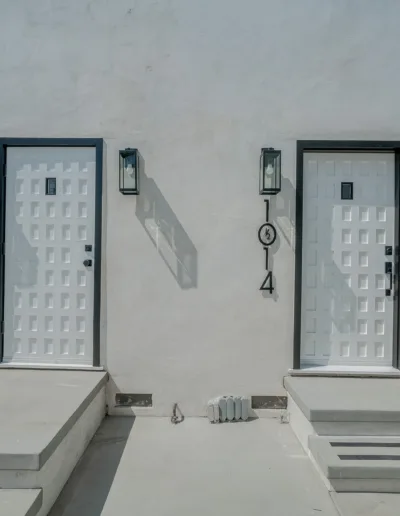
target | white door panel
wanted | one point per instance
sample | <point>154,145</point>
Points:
<point>48,292</point>
<point>347,318</point>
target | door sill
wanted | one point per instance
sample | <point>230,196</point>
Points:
<point>54,367</point>
<point>352,371</point>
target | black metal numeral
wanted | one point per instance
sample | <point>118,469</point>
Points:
<point>267,283</point>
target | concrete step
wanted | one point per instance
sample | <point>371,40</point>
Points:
<point>20,502</point>
<point>42,409</point>
<point>351,428</point>
<point>51,418</point>
<point>346,399</point>
<point>359,464</point>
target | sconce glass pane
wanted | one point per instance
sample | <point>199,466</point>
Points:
<point>130,172</point>
<point>269,173</point>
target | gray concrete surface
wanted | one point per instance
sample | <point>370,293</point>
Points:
<point>361,463</point>
<point>354,428</point>
<point>150,467</point>
<point>39,408</point>
<point>20,502</point>
<point>367,504</point>
<point>346,399</point>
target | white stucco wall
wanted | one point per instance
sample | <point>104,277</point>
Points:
<point>199,87</point>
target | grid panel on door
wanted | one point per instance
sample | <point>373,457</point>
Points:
<point>48,291</point>
<point>346,317</point>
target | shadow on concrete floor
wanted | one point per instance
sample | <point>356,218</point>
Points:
<point>195,469</point>
<point>87,489</point>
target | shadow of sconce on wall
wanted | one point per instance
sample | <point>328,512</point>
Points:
<point>157,218</point>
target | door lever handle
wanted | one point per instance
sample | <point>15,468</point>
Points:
<point>87,263</point>
<point>389,271</point>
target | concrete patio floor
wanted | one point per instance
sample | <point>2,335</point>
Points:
<point>367,504</point>
<point>149,467</point>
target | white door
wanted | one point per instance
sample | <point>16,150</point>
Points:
<point>347,313</point>
<point>48,291</point>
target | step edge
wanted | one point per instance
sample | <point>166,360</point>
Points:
<point>36,505</point>
<point>46,453</point>
<point>322,415</point>
<point>36,460</point>
<point>37,502</point>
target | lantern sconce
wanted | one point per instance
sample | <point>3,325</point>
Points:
<point>270,171</point>
<point>129,171</point>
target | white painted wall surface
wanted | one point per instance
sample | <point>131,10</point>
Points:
<point>199,87</point>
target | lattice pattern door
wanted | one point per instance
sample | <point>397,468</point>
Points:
<point>346,317</point>
<point>48,316</point>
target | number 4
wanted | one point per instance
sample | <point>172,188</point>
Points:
<point>267,283</point>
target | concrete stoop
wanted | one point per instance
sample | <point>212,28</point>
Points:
<point>20,502</point>
<point>51,418</point>
<point>359,464</point>
<point>350,427</point>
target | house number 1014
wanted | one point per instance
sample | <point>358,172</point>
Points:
<point>266,237</point>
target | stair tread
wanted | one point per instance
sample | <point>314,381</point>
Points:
<point>357,457</point>
<point>346,399</point>
<point>20,502</point>
<point>43,407</point>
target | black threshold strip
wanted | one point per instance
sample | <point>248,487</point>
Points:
<point>369,457</point>
<point>365,445</point>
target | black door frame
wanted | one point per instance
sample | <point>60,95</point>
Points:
<point>97,143</point>
<point>343,146</point>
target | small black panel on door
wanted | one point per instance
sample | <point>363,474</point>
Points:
<point>347,191</point>
<point>51,186</point>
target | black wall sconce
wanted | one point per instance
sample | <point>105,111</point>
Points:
<point>129,171</point>
<point>270,172</point>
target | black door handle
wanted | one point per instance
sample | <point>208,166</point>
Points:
<point>389,270</point>
<point>87,263</point>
